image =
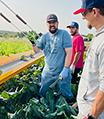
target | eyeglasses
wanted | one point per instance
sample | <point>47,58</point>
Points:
<point>84,13</point>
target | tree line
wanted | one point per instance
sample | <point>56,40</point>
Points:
<point>11,34</point>
<point>89,36</point>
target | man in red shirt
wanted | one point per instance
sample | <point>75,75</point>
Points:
<point>77,51</point>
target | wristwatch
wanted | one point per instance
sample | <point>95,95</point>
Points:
<point>90,117</point>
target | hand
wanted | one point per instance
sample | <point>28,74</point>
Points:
<point>72,68</point>
<point>64,73</point>
<point>33,43</point>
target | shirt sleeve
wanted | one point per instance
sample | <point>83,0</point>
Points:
<point>42,42</point>
<point>101,68</point>
<point>79,44</point>
<point>67,41</point>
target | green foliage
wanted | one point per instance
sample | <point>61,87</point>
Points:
<point>14,46</point>
<point>11,34</point>
<point>41,62</point>
<point>32,35</point>
<point>5,95</point>
<point>31,55</point>
<point>86,44</point>
<point>1,72</point>
<point>23,57</point>
<point>8,34</point>
<point>20,99</point>
<point>21,34</point>
<point>36,72</point>
<point>89,36</point>
<point>74,89</point>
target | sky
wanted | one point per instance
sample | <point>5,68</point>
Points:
<point>35,12</point>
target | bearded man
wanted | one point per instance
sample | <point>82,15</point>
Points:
<point>77,51</point>
<point>57,47</point>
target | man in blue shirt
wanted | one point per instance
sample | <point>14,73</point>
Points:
<point>57,47</point>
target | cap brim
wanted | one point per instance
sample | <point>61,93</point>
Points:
<point>51,20</point>
<point>69,26</point>
<point>79,11</point>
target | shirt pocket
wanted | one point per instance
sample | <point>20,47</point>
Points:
<point>82,91</point>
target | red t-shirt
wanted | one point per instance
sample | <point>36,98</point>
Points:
<point>78,45</point>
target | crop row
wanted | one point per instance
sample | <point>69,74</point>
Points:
<point>19,98</point>
<point>14,46</point>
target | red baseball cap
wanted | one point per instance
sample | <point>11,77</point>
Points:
<point>88,4</point>
<point>79,11</point>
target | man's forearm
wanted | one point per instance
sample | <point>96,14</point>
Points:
<point>76,58</point>
<point>36,49</point>
<point>68,57</point>
<point>98,105</point>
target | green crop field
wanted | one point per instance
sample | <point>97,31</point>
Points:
<point>14,46</point>
<point>86,44</point>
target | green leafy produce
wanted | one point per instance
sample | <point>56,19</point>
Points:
<point>31,55</point>
<point>25,71</point>
<point>74,89</point>
<point>23,57</point>
<point>36,72</point>
<point>49,95</point>
<point>32,36</point>
<point>1,72</point>
<point>5,95</point>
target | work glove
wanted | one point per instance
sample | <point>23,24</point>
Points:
<point>64,73</point>
<point>32,43</point>
<point>85,118</point>
<point>72,68</point>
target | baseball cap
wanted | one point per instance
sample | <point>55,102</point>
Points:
<point>51,17</point>
<point>88,4</point>
<point>73,24</point>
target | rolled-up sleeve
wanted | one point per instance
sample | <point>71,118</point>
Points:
<point>101,68</point>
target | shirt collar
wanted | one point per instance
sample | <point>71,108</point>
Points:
<point>101,30</point>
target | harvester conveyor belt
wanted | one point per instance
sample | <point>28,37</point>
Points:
<point>12,68</point>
